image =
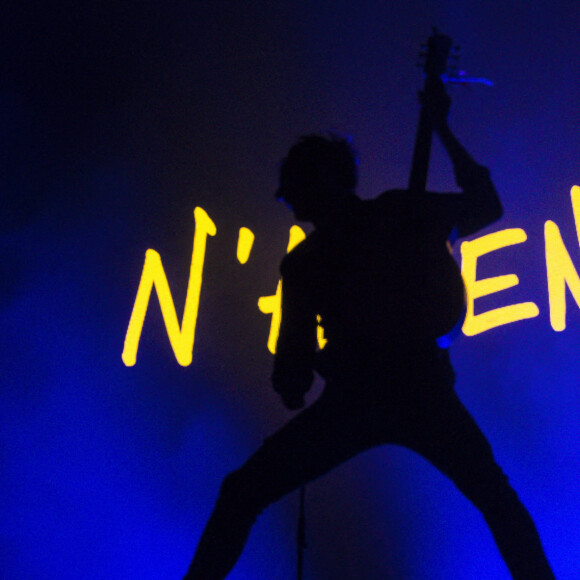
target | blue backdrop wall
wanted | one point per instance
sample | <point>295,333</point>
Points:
<point>117,120</point>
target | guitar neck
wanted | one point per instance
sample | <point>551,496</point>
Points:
<point>438,46</point>
<point>421,154</point>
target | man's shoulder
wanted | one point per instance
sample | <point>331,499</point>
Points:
<point>389,197</point>
<point>389,203</point>
<point>299,255</point>
<point>320,241</point>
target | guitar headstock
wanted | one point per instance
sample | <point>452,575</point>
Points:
<point>436,53</point>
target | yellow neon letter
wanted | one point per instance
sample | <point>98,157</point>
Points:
<point>245,242</point>
<point>273,304</point>
<point>560,269</point>
<point>470,251</point>
<point>320,333</point>
<point>154,275</point>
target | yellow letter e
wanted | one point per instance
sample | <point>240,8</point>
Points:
<point>470,252</point>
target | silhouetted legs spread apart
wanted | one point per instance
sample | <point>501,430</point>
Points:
<point>418,410</point>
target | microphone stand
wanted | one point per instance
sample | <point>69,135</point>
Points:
<point>301,534</point>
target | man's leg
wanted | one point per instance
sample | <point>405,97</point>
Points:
<point>451,440</point>
<point>311,444</point>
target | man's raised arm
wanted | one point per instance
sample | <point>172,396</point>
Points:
<point>481,204</point>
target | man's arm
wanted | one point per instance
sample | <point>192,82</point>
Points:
<point>480,204</point>
<point>293,361</point>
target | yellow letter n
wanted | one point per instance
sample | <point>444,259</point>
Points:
<point>559,266</point>
<point>181,339</point>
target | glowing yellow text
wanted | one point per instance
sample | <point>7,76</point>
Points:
<point>560,269</point>
<point>320,333</point>
<point>245,242</point>
<point>561,275</point>
<point>153,274</point>
<point>470,252</point>
<point>273,304</point>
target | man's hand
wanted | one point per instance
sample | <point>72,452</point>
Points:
<point>293,401</point>
<point>436,102</point>
<point>292,389</point>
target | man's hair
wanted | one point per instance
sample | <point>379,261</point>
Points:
<point>318,159</point>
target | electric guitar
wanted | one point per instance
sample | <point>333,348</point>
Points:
<point>448,297</point>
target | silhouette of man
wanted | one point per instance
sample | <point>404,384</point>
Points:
<point>380,275</point>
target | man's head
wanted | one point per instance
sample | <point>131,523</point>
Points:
<point>317,173</point>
